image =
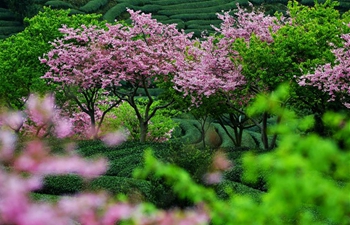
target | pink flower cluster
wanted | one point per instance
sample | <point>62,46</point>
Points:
<point>207,67</point>
<point>334,80</point>
<point>92,57</point>
<point>22,172</point>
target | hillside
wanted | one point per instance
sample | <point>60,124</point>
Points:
<point>191,15</point>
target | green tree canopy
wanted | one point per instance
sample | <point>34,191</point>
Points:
<point>20,68</point>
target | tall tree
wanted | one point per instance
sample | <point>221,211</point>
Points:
<point>333,79</point>
<point>211,67</point>
<point>120,59</point>
<point>296,48</point>
<point>20,67</point>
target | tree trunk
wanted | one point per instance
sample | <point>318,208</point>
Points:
<point>143,131</point>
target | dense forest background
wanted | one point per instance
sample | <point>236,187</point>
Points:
<point>191,15</point>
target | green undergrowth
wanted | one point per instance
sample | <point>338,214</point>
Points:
<point>125,158</point>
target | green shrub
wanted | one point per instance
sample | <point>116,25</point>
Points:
<point>93,6</point>
<point>149,8</point>
<point>179,23</point>
<point>10,30</point>
<point>194,16</point>
<point>62,184</point>
<point>225,187</point>
<point>196,5</point>
<point>40,1</point>
<point>7,15</point>
<point>212,9</point>
<point>7,23</point>
<point>115,12</point>
<point>75,11</point>
<point>190,131</point>
<point>131,161</point>
<point>59,5</point>
<point>160,18</point>
<point>172,2</point>
<point>133,188</point>
<point>215,22</point>
<point>124,117</point>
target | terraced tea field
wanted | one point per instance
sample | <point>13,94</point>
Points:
<point>191,15</point>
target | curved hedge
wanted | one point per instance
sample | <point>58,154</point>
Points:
<point>62,184</point>
<point>59,5</point>
<point>7,15</point>
<point>93,6</point>
<point>123,185</point>
<point>194,16</point>
<point>111,15</point>
<point>131,162</point>
<point>190,131</point>
<point>204,22</point>
<point>212,9</point>
<point>177,2</point>
<point>149,8</point>
<point>11,30</point>
<point>9,23</point>
<point>179,23</point>
<point>238,188</point>
<point>196,5</point>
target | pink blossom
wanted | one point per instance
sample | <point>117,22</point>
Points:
<point>115,138</point>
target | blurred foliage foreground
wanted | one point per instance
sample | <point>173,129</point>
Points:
<point>307,177</point>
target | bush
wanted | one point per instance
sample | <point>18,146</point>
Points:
<point>7,15</point>
<point>6,23</point>
<point>137,190</point>
<point>172,2</point>
<point>216,8</point>
<point>93,6</point>
<point>149,8</point>
<point>114,12</point>
<point>11,30</point>
<point>194,16</point>
<point>59,5</point>
<point>190,131</point>
<point>62,184</point>
<point>224,188</point>
<point>160,126</point>
<point>131,162</point>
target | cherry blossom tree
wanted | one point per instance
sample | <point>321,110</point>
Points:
<point>211,67</point>
<point>119,60</point>
<point>333,79</point>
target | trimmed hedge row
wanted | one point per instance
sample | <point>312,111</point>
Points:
<point>190,131</point>
<point>115,11</point>
<point>10,30</point>
<point>149,8</point>
<point>179,23</point>
<point>129,186</point>
<point>174,2</point>
<point>216,22</point>
<point>59,4</point>
<point>194,16</point>
<point>160,17</point>
<point>62,184</point>
<point>93,6</point>
<point>197,5</point>
<point>130,162</point>
<point>7,15</point>
<point>237,188</point>
<point>212,9</point>
<point>9,23</point>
